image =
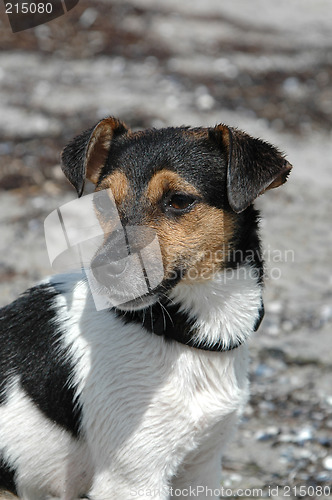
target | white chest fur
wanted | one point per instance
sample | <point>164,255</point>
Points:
<point>155,414</point>
<point>151,405</point>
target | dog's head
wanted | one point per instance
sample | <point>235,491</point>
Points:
<point>193,189</point>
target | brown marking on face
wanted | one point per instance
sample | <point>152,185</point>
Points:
<point>119,185</point>
<point>198,240</point>
<point>167,180</point>
<point>213,229</point>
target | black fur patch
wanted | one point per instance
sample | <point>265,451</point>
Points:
<point>245,244</point>
<point>197,160</point>
<point>74,155</point>
<point>7,475</point>
<point>228,167</point>
<point>168,321</point>
<point>31,351</point>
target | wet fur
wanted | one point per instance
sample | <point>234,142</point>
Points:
<point>102,404</point>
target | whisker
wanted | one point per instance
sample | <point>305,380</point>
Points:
<point>165,309</point>
<point>168,298</point>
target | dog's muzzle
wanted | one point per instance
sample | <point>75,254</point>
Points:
<point>120,266</point>
<point>129,264</point>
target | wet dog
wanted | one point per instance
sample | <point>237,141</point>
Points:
<point>139,399</point>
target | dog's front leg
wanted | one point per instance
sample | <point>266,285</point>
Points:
<point>199,480</point>
<point>108,486</point>
<point>199,476</point>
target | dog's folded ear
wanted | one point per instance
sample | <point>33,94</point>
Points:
<point>84,157</point>
<point>253,166</point>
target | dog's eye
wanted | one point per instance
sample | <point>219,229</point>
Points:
<point>180,202</point>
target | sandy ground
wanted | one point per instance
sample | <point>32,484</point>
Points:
<point>264,67</point>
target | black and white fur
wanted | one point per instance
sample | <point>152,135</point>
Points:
<point>95,405</point>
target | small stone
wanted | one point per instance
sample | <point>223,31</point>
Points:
<point>287,455</point>
<point>205,102</point>
<point>272,329</point>
<point>172,102</point>
<point>323,476</point>
<point>235,478</point>
<point>264,370</point>
<point>266,406</point>
<point>248,411</point>
<point>304,435</point>
<point>38,202</point>
<point>303,454</point>
<point>5,148</point>
<point>226,67</point>
<point>286,438</point>
<point>287,325</point>
<point>325,441</point>
<point>88,17</point>
<point>327,462</point>
<point>326,313</point>
<point>317,415</point>
<point>274,307</point>
<point>292,86</point>
<point>267,434</point>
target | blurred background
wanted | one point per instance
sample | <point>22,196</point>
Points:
<point>265,67</point>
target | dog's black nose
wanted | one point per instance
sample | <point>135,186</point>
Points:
<point>104,270</point>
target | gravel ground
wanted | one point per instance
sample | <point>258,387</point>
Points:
<point>267,70</point>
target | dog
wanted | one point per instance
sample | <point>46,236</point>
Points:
<point>139,399</point>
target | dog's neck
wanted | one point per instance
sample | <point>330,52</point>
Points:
<point>216,315</point>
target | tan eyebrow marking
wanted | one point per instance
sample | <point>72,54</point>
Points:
<point>166,180</point>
